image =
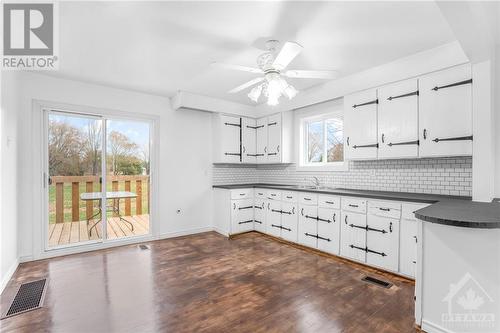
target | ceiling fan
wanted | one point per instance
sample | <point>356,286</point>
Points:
<point>272,65</point>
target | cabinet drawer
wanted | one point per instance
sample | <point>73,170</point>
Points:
<point>354,205</point>
<point>308,199</point>
<point>289,196</point>
<point>243,193</point>
<point>328,201</point>
<point>260,193</point>
<point>274,195</point>
<point>385,209</point>
<point>408,209</point>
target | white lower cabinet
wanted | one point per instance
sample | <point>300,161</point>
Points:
<point>353,236</point>
<point>408,247</point>
<point>242,215</point>
<point>308,226</point>
<point>259,220</point>
<point>289,221</point>
<point>273,218</point>
<point>328,230</point>
<point>382,242</point>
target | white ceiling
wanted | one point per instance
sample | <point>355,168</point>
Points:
<point>163,47</point>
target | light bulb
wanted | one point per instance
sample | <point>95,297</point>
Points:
<point>254,94</point>
<point>290,92</point>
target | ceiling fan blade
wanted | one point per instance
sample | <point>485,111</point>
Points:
<point>238,67</point>
<point>304,74</point>
<point>246,85</point>
<point>288,52</point>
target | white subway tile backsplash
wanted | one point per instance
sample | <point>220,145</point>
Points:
<point>449,176</point>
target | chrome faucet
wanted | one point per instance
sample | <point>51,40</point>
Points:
<point>316,181</point>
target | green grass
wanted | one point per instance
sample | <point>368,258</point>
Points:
<point>82,189</point>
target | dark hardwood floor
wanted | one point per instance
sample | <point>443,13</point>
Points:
<point>207,283</point>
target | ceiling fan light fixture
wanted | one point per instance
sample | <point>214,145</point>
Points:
<point>290,91</point>
<point>255,93</point>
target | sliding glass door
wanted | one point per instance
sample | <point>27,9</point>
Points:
<point>83,153</point>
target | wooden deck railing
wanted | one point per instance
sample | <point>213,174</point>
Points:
<point>90,181</point>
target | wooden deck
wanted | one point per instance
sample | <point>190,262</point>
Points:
<point>75,232</point>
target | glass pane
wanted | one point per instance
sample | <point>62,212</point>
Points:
<point>75,149</point>
<point>127,178</point>
<point>315,142</point>
<point>335,140</point>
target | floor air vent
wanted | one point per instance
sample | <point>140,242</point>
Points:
<point>143,247</point>
<point>29,297</point>
<point>377,282</point>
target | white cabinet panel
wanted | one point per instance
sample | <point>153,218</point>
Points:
<point>241,215</point>
<point>273,218</point>
<point>329,230</point>
<point>260,215</point>
<point>242,193</point>
<point>445,112</point>
<point>248,140</point>
<point>308,227</point>
<point>289,221</point>
<point>261,133</point>
<point>360,124</point>
<point>353,236</point>
<point>398,120</point>
<point>382,242</point>
<point>274,139</point>
<point>408,247</point>
<point>230,139</point>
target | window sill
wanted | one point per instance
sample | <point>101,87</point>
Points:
<point>324,167</point>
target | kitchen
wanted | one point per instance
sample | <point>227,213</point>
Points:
<point>357,193</point>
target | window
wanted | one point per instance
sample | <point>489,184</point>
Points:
<point>322,142</point>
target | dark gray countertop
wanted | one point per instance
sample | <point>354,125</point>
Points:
<point>444,209</point>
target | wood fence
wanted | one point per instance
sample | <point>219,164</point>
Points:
<point>75,181</point>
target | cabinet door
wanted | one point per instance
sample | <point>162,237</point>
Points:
<point>382,242</point>
<point>230,139</point>
<point>274,140</point>
<point>329,230</point>
<point>398,120</point>
<point>360,124</point>
<point>353,236</point>
<point>248,140</point>
<point>259,222</point>
<point>445,113</point>
<point>241,215</point>
<point>408,247</point>
<point>308,226</point>
<point>261,149</point>
<point>289,221</point>
<point>273,218</point>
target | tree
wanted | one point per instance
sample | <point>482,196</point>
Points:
<point>65,149</point>
<point>120,148</point>
<point>145,157</point>
<point>93,146</point>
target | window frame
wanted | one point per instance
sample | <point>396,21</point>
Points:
<point>304,120</point>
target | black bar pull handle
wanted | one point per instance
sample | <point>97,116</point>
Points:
<point>272,154</point>
<point>243,222</point>
<point>256,221</point>
<point>260,126</point>
<point>348,141</point>
<point>374,145</point>
<point>355,206</point>
<point>352,246</point>
<point>425,134</point>
<point>367,103</point>
<point>345,219</point>
<point>246,207</point>
<point>271,124</point>
<point>415,142</point>
<point>284,228</point>
<point>358,226</point>
<point>323,238</point>
<point>232,154</point>
<point>276,226</point>
<point>376,252</point>
<point>377,230</point>
<point>459,138</point>
<point>334,217</point>
<point>390,227</point>
<point>383,137</point>
<point>415,93</point>
<point>232,124</point>
<point>436,88</point>
<point>385,209</point>
<point>302,211</point>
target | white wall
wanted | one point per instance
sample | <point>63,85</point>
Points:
<point>184,169</point>
<point>8,182</point>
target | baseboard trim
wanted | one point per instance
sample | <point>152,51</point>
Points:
<point>430,327</point>
<point>8,275</point>
<point>220,231</point>
<point>185,232</point>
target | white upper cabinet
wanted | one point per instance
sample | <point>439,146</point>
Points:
<point>445,113</point>
<point>360,117</point>
<point>227,138</point>
<point>274,146</point>
<point>248,140</point>
<point>261,133</point>
<point>398,120</point>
